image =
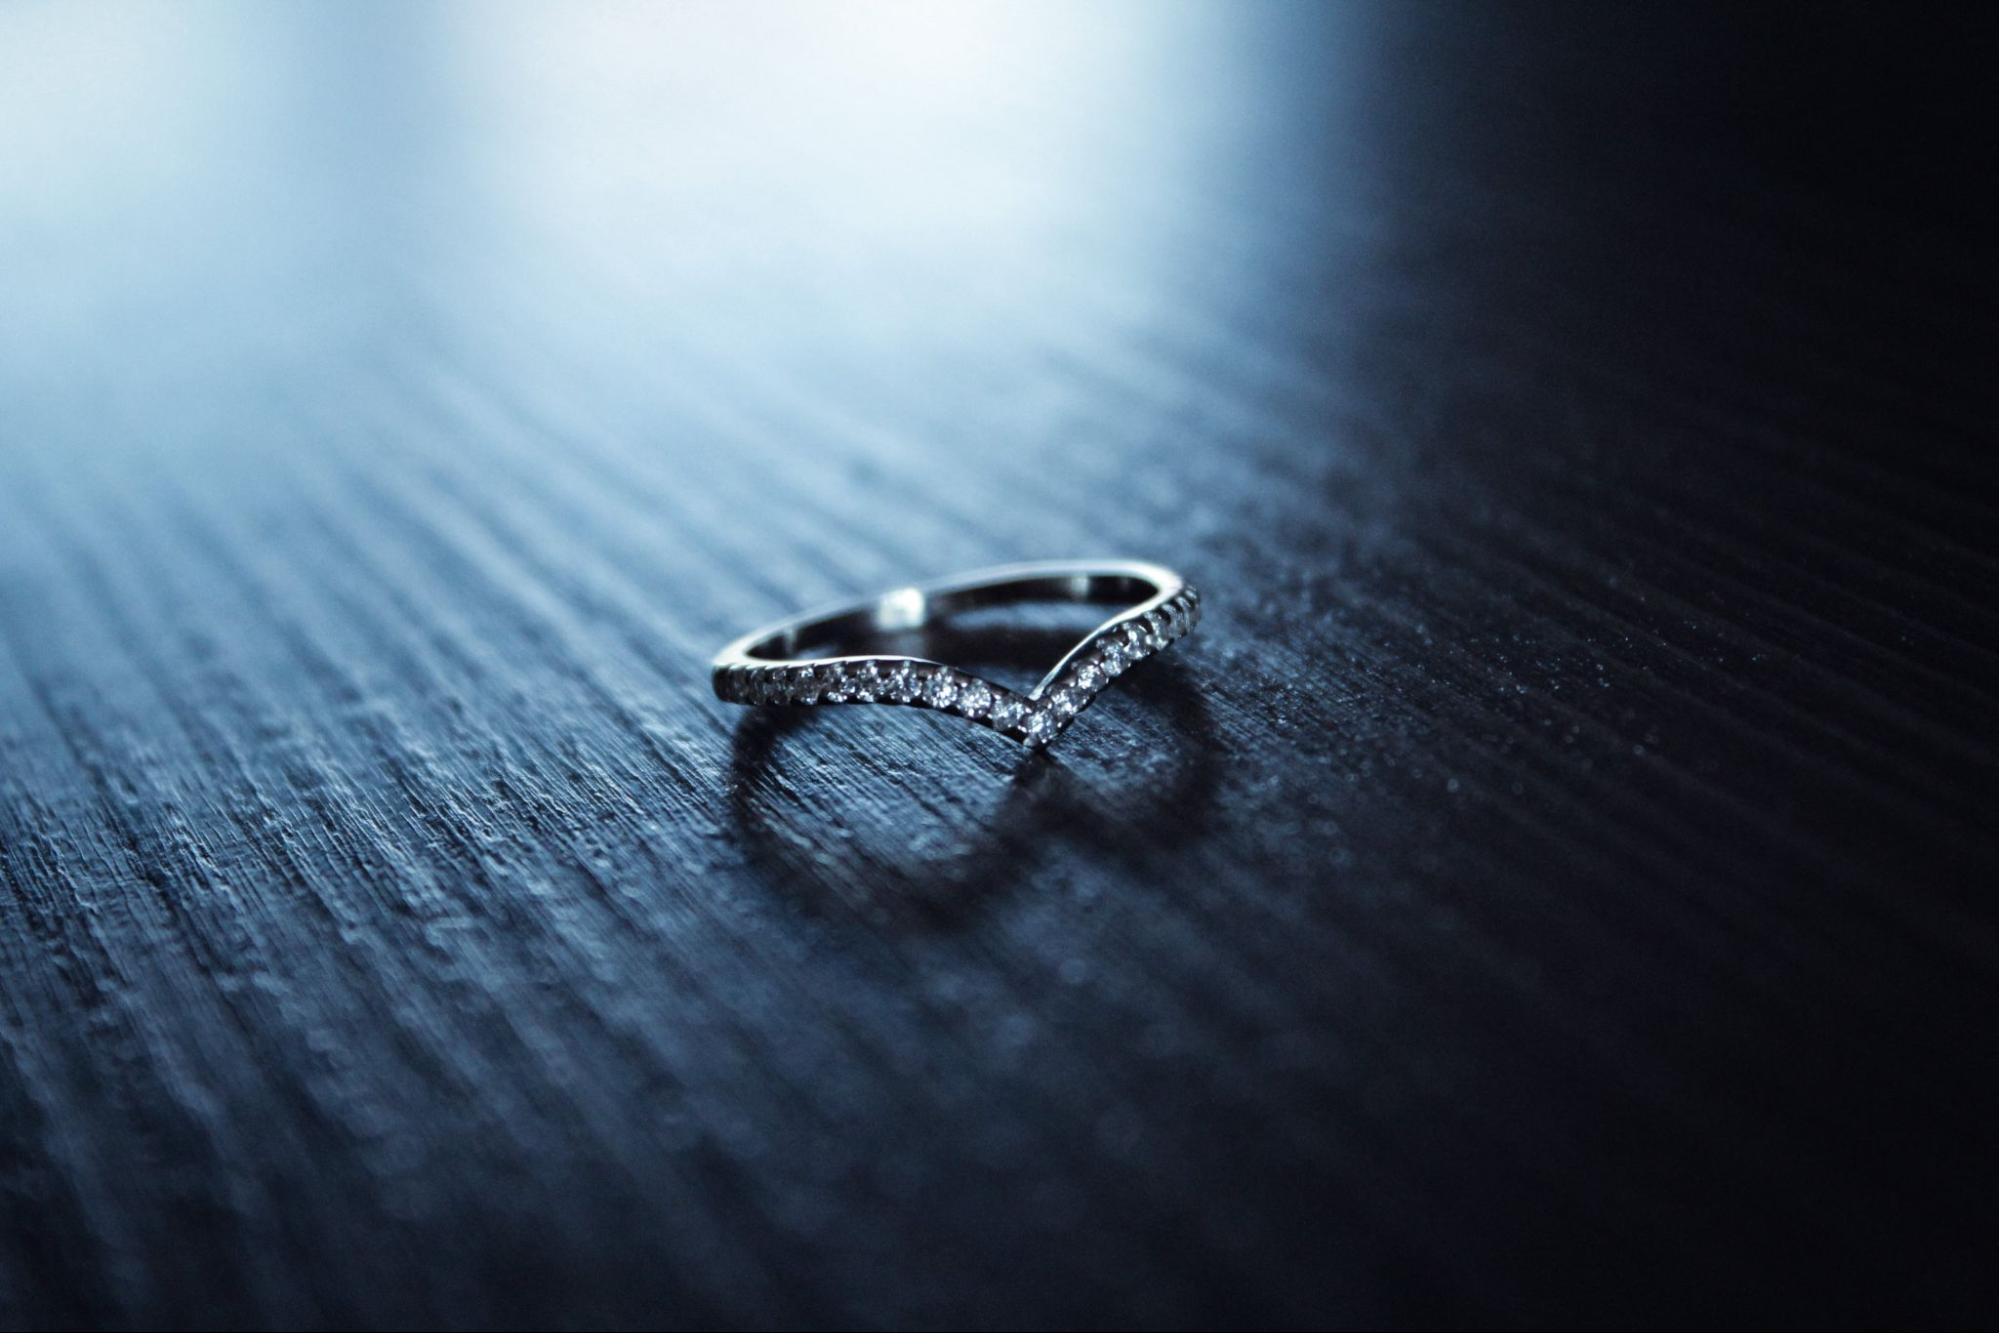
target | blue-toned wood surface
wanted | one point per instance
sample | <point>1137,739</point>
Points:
<point>1553,886</point>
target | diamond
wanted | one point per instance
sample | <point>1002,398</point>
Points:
<point>1089,678</point>
<point>865,683</point>
<point>1068,703</point>
<point>804,686</point>
<point>1008,709</point>
<point>901,685</point>
<point>975,699</point>
<point>941,690</point>
<point>1041,726</point>
<point>839,687</point>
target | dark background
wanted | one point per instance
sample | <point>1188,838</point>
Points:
<point>1553,886</point>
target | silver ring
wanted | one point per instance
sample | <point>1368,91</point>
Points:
<point>778,663</point>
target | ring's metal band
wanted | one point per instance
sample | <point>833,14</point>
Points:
<point>774,665</point>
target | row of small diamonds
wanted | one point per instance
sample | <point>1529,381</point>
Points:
<point>886,681</point>
<point>1115,651</point>
<point>1034,720</point>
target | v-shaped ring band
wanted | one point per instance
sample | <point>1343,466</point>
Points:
<point>783,663</point>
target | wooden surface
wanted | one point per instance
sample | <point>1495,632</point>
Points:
<point>1554,884</point>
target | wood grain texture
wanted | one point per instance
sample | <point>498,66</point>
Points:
<point>1553,886</point>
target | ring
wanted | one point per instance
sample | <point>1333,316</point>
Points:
<point>779,664</point>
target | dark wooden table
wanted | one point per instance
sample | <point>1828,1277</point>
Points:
<point>1553,886</point>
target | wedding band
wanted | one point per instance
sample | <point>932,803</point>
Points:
<point>798,661</point>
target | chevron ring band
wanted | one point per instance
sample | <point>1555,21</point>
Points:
<point>797,661</point>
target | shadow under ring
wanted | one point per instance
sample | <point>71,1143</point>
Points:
<point>805,845</point>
